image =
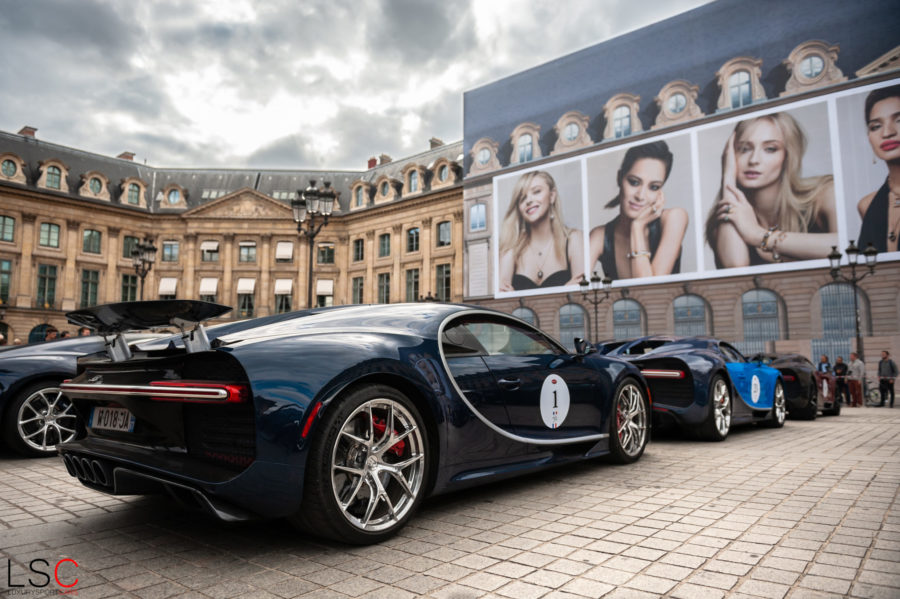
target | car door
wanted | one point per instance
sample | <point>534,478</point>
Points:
<point>548,392</point>
<point>750,382</point>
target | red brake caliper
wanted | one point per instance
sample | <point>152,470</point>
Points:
<point>380,426</point>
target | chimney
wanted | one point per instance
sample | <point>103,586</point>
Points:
<point>27,131</point>
<point>373,162</point>
<point>384,159</point>
<point>126,156</point>
<point>435,142</point>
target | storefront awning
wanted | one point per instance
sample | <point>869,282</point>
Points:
<point>284,286</point>
<point>167,285</point>
<point>246,286</point>
<point>208,286</point>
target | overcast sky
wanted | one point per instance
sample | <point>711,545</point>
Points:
<point>277,83</point>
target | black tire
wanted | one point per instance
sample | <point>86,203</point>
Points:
<point>37,419</point>
<point>351,449</point>
<point>717,424</point>
<point>778,412</point>
<point>809,411</point>
<point>629,423</point>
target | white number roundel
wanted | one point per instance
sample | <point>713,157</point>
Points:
<point>554,401</point>
<point>755,389</point>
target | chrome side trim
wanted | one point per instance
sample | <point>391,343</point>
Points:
<point>479,415</point>
<point>159,391</point>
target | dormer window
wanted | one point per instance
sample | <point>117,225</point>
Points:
<point>812,65</point>
<point>524,148</point>
<point>174,196</point>
<point>413,181</point>
<point>677,102</point>
<point>739,89</point>
<point>571,132</point>
<point>54,177</point>
<point>134,193</point>
<point>484,156</point>
<point>739,83</point>
<point>621,122</point>
<point>524,139</point>
<point>385,188</point>
<point>95,185</point>
<point>621,113</point>
<point>358,197</point>
<point>444,172</point>
<point>9,168</point>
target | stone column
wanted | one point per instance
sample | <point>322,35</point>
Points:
<point>25,288</point>
<point>396,255</point>
<point>427,240</point>
<point>227,284</point>
<point>264,262</point>
<point>370,288</point>
<point>189,274</point>
<point>112,291</point>
<point>70,296</point>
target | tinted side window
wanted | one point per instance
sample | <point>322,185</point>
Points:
<point>486,336</point>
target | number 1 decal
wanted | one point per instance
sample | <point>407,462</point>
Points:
<point>554,401</point>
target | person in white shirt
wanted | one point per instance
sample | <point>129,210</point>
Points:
<point>855,375</point>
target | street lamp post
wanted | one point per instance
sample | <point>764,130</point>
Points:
<point>871,257</point>
<point>143,255</point>
<point>595,285</point>
<point>309,204</point>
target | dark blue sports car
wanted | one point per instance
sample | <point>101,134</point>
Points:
<point>703,384</point>
<point>34,414</point>
<point>342,419</point>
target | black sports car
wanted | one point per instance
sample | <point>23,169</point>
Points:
<point>342,419</point>
<point>703,384</point>
<point>34,414</point>
<point>801,389</point>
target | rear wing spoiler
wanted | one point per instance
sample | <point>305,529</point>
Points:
<point>113,320</point>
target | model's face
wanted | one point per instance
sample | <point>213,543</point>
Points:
<point>760,155</point>
<point>641,185</point>
<point>535,204</point>
<point>884,129</point>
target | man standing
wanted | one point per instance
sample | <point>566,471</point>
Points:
<point>824,366</point>
<point>840,383</point>
<point>887,372</point>
<point>856,372</point>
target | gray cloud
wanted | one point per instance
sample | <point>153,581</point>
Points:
<point>107,76</point>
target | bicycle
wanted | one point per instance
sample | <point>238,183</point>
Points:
<point>871,395</point>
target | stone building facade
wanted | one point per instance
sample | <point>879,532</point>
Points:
<point>69,220</point>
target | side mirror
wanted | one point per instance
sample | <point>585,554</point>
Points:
<point>583,348</point>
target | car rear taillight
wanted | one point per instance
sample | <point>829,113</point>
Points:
<point>789,377</point>
<point>199,392</point>
<point>659,373</point>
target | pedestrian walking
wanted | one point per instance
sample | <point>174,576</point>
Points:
<point>856,373</point>
<point>887,372</point>
<point>840,381</point>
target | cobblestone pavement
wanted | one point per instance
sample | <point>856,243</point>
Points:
<point>810,510</point>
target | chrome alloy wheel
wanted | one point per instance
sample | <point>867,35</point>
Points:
<point>779,405</point>
<point>45,419</point>
<point>378,465</point>
<point>722,406</point>
<point>631,420</point>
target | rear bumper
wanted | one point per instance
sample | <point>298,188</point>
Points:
<point>263,489</point>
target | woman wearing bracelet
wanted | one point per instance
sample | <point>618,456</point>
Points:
<point>765,211</point>
<point>880,210</point>
<point>645,238</point>
<point>537,250</point>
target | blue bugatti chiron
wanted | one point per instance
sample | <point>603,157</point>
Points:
<point>342,419</point>
<point>703,384</point>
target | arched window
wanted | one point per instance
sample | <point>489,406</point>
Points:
<point>691,315</point>
<point>413,181</point>
<point>621,121</point>
<point>174,196</point>
<point>571,131</point>
<point>134,193</point>
<point>54,177</point>
<point>359,196</point>
<point>483,156</point>
<point>839,319</point>
<point>525,147</point>
<point>526,314</point>
<point>739,87</point>
<point>762,322</point>
<point>812,66</point>
<point>571,324</point>
<point>628,319</point>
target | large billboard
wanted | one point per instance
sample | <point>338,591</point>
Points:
<point>772,189</point>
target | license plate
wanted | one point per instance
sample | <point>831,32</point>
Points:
<point>112,419</point>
